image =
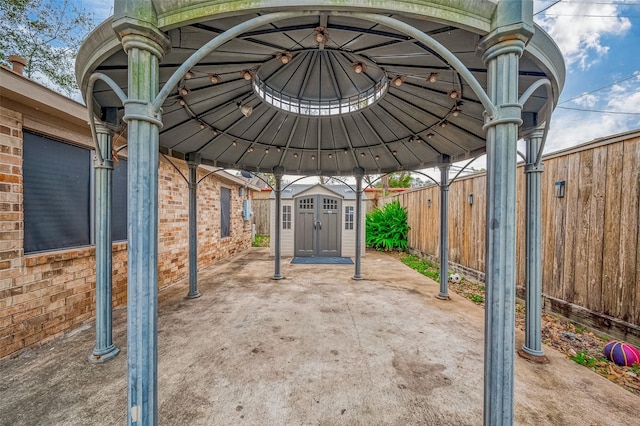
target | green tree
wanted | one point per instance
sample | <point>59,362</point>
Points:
<point>48,35</point>
<point>402,179</point>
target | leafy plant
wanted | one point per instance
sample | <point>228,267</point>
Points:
<point>583,358</point>
<point>475,298</point>
<point>261,241</point>
<point>387,228</point>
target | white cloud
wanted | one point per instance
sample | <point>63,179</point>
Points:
<point>579,35</point>
<point>625,97</point>
<point>584,126</point>
<point>586,100</point>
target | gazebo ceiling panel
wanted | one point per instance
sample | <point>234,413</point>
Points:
<point>317,113</point>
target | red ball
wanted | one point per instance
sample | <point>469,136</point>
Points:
<point>622,353</point>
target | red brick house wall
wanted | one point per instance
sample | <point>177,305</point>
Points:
<point>44,295</point>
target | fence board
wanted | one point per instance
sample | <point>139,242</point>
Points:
<point>548,227</point>
<point>571,194</point>
<point>610,278</point>
<point>583,228</point>
<point>261,213</point>
<point>596,221</point>
<point>628,231</point>
<point>559,210</point>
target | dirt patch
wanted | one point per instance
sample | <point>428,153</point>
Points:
<point>419,376</point>
<point>574,341</point>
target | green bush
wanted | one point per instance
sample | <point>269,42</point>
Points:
<point>387,228</point>
<point>261,241</point>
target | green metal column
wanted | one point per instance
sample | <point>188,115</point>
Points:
<point>532,347</point>
<point>444,228</point>
<point>278,172</point>
<point>193,160</point>
<point>501,237</point>
<point>105,349</point>
<point>503,47</point>
<point>134,22</point>
<point>359,174</point>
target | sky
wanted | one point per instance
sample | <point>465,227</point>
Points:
<point>600,41</point>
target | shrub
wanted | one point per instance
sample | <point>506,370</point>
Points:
<point>387,228</point>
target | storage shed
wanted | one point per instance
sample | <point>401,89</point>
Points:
<point>317,221</point>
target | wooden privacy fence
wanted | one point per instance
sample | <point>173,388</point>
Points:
<point>261,209</point>
<point>590,237</point>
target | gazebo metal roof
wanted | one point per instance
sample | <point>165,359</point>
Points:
<point>316,114</point>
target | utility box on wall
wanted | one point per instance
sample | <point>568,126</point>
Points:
<point>246,210</point>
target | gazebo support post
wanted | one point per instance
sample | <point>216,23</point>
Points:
<point>145,45</point>
<point>444,227</point>
<point>193,161</point>
<point>359,174</point>
<point>105,349</point>
<point>512,27</point>
<point>278,172</point>
<point>532,348</point>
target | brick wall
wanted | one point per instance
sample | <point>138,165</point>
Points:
<point>44,295</point>
<point>174,222</point>
<point>11,235</point>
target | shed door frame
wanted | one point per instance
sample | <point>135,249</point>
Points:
<point>317,228</point>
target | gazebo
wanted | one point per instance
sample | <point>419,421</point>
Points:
<point>320,88</point>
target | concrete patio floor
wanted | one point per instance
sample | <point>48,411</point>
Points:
<point>316,348</point>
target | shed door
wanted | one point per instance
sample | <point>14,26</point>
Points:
<point>317,226</point>
<point>304,227</point>
<point>329,232</point>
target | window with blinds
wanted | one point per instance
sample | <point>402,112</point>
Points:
<point>225,212</point>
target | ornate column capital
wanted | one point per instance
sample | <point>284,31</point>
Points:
<point>136,24</point>
<point>512,21</point>
<point>278,172</point>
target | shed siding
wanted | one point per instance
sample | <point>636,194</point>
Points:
<point>347,246</point>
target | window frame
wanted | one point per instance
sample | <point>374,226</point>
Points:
<point>225,213</point>
<point>286,217</point>
<point>349,218</point>
<point>83,211</point>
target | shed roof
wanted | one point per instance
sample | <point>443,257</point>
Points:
<point>294,190</point>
